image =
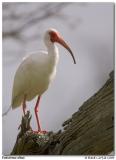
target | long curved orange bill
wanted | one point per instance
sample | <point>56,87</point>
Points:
<point>65,45</point>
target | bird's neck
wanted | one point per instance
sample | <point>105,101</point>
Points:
<point>53,54</point>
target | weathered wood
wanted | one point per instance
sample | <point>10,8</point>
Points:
<point>30,143</point>
<point>90,130</point>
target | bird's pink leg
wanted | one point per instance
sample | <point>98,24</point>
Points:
<point>37,118</point>
<point>36,113</point>
<point>24,108</point>
<point>24,105</point>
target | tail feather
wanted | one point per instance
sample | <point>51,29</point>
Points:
<point>16,102</point>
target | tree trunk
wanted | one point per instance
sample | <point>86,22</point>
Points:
<point>90,130</point>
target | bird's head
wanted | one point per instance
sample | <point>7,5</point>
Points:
<point>52,36</point>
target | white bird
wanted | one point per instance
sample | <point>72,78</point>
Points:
<point>36,72</point>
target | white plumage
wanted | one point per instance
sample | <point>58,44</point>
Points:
<point>35,74</point>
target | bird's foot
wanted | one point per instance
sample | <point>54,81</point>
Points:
<point>40,132</point>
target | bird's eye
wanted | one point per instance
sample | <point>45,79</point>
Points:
<point>53,36</point>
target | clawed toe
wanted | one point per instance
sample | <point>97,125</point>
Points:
<point>40,132</point>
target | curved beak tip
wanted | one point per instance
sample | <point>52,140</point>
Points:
<point>64,44</point>
<point>74,60</point>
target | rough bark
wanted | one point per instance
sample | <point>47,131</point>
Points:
<point>90,130</point>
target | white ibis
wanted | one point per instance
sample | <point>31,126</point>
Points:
<point>36,72</point>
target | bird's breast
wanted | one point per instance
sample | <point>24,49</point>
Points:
<point>40,77</point>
